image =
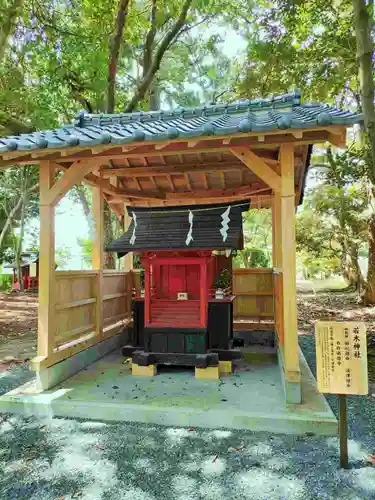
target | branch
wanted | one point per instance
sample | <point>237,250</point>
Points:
<point>12,214</point>
<point>115,45</point>
<point>163,47</point>
<point>147,54</point>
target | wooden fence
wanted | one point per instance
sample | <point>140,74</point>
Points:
<point>89,306</point>
<point>254,291</point>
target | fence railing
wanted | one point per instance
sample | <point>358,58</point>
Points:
<point>254,291</point>
<point>88,304</point>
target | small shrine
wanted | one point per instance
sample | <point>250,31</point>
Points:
<point>184,251</point>
<point>29,273</point>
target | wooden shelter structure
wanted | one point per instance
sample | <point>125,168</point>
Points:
<point>257,150</point>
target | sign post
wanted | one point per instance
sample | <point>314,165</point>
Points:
<point>341,367</point>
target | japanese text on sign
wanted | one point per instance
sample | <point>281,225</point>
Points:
<point>341,357</point>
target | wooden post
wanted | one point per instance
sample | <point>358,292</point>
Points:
<point>343,426</point>
<point>98,254</point>
<point>128,259</point>
<point>46,320</point>
<point>285,232</point>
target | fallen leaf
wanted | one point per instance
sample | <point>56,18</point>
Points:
<point>371,459</point>
<point>100,446</point>
<point>191,429</point>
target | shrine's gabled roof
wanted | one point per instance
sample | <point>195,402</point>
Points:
<point>202,227</point>
<point>260,115</point>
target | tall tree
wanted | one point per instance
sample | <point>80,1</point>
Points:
<point>363,22</point>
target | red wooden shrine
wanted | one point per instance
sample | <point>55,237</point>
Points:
<point>178,286</point>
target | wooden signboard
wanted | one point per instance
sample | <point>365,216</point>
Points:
<point>341,357</point>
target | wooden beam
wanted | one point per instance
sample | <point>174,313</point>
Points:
<point>219,193</point>
<point>258,166</point>
<point>47,283</point>
<point>73,175</point>
<point>337,140</point>
<point>163,170</point>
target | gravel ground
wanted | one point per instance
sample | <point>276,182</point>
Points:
<point>61,459</point>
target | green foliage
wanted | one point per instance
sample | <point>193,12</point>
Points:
<point>63,254</point>
<point>86,250</point>
<point>224,279</point>
<point>306,44</point>
<point>257,252</point>
<point>332,224</point>
<point>5,282</point>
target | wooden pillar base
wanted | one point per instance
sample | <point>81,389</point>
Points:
<point>209,373</point>
<point>143,371</point>
<point>225,367</point>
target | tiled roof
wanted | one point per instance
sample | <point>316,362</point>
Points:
<point>259,115</point>
<point>183,228</point>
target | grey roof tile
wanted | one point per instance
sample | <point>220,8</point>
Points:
<point>259,115</point>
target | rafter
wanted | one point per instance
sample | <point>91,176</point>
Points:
<point>258,166</point>
<point>120,192</point>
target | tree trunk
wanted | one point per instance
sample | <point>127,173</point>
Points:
<point>109,257</point>
<point>369,296</point>
<point>164,45</point>
<point>20,242</point>
<point>8,24</point>
<point>365,49</point>
<point>114,52</point>
<point>13,213</point>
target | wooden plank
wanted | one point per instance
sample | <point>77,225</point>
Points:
<point>248,325</point>
<point>46,312</point>
<point>255,270</point>
<point>255,293</point>
<point>114,319</point>
<point>69,349</point>
<point>74,334</point>
<point>258,166</point>
<point>114,296</point>
<point>76,303</point>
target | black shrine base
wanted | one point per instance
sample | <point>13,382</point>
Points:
<point>210,358</point>
<point>199,347</point>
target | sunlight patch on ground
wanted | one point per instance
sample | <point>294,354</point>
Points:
<point>213,466</point>
<point>355,450</point>
<point>266,485</point>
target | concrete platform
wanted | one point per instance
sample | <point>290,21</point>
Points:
<point>252,398</point>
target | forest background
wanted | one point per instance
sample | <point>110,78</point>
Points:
<point>60,56</point>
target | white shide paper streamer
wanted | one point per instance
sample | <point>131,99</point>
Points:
<point>189,237</point>
<point>225,224</point>
<point>133,238</point>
